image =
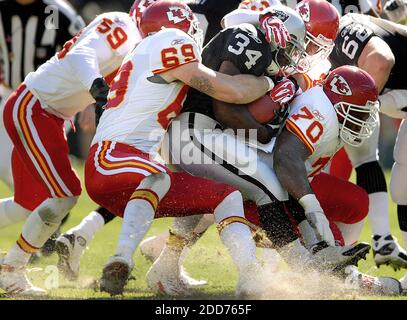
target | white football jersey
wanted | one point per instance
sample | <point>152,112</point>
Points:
<point>314,121</point>
<point>141,104</point>
<point>62,83</point>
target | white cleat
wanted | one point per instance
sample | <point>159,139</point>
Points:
<point>386,250</point>
<point>70,248</point>
<point>15,282</point>
<point>370,285</point>
<point>166,283</point>
<point>336,258</point>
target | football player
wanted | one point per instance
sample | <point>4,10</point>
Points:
<point>121,173</point>
<point>377,46</point>
<point>46,185</point>
<point>71,245</point>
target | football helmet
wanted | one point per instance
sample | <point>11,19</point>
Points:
<point>322,23</point>
<point>138,8</point>
<point>353,93</point>
<point>254,5</point>
<point>170,14</point>
<point>287,60</point>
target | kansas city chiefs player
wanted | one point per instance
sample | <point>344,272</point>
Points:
<point>45,182</point>
<point>148,92</point>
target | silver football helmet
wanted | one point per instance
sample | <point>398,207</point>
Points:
<point>288,60</point>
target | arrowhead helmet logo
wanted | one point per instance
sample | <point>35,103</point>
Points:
<point>304,11</point>
<point>177,14</point>
<point>339,86</point>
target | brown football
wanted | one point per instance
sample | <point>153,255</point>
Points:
<point>263,109</point>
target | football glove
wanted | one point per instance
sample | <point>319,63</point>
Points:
<point>284,91</point>
<point>275,31</point>
<point>99,91</point>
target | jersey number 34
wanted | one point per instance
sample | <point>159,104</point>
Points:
<point>240,46</point>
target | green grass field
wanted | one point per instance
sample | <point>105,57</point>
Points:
<point>207,260</point>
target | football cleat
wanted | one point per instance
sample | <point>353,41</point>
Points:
<point>370,285</point>
<point>386,250</point>
<point>49,246</point>
<point>336,258</point>
<point>115,275</point>
<point>15,282</point>
<point>70,248</point>
<point>166,281</point>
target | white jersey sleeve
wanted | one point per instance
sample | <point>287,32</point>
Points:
<point>173,49</point>
<point>313,120</point>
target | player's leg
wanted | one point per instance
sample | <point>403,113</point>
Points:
<point>370,176</point>
<point>129,188</point>
<point>347,205</point>
<point>398,184</point>
<point>47,166</point>
<point>189,195</point>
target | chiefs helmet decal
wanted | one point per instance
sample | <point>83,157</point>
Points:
<point>339,86</point>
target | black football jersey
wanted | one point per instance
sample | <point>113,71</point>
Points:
<point>356,30</point>
<point>245,46</point>
<point>213,12</point>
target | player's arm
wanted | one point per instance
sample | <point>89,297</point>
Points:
<point>237,116</point>
<point>290,154</point>
<point>289,157</point>
<point>237,89</point>
<point>378,60</point>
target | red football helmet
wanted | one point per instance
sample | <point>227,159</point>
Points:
<point>170,14</point>
<point>322,23</point>
<point>354,95</point>
<point>138,8</point>
<point>254,5</point>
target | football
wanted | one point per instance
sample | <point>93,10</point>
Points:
<point>263,109</point>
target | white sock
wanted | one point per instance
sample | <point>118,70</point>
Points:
<point>137,219</point>
<point>350,232</point>
<point>236,237</point>
<point>11,212</point>
<point>88,227</point>
<point>379,213</point>
<point>35,234</point>
<point>39,226</point>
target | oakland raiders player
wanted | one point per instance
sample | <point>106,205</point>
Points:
<point>378,47</point>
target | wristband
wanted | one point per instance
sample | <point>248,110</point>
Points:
<point>270,83</point>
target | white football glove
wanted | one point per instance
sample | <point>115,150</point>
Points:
<point>392,103</point>
<point>320,224</point>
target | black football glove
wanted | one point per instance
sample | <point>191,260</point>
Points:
<point>99,91</point>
